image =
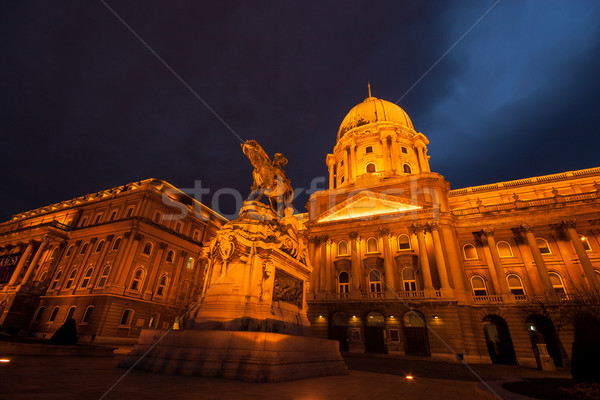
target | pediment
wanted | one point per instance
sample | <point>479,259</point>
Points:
<point>367,204</point>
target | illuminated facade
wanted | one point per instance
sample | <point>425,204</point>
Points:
<point>392,246</point>
<point>116,261</point>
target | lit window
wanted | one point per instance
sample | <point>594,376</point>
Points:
<point>54,314</point>
<point>116,244</point>
<point>542,244</point>
<point>84,248</point>
<point>369,149</point>
<point>38,315</point>
<point>404,150</point>
<point>371,168</point>
<point>99,246</point>
<point>55,281</point>
<point>344,282</point>
<point>104,276</point>
<point>70,313</point>
<point>372,245</point>
<point>170,256</point>
<point>406,169</point>
<point>162,286</point>
<point>136,282</point>
<point>153,321</point>
<point>342,248</point>
<point>557,283</point>
<point>147,249</point>
<point>126,317</point>
<point>409,279</point>
<point>190,263</point>
<point>87,315</point>
<point>374,281</point>
<point>470,252</point>
<point>478,286</point>
<point>71,279</point>
<point>504,249</point>
<point>515,284</point>
<point>403,242</point>
<point>87,277</point>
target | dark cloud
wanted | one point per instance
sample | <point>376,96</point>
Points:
<point>86,106</point>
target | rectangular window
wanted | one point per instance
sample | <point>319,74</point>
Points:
<point>369,149</point>
<point>98,218</point>
<point>404,150</point>
<point>126,317</point>
<point>113,215</point>
<point>129,212</point>
<point>157,217</point>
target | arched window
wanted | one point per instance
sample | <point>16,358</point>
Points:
<point>371,167</point>
<point>162,285</point>
<point>136,281</point>
<point>54,314</point>
<point>585,243</point>
<point>344,282</point>
<point>113,215</point>
<point>129,212</point>
<point>83,222</point>
<point>53,253</point>
<point>170,256</point>
<point>470,252</point>
<point>542,244</point>
<point>71,279</point>
<point>43,277</point>
<point>557,283</point>
<point>406,169</point>
<point>478,286</point>
<point>414,319</point>
<point>70,313</point>
<point>126,317</point>
<point>87,315</point>
<point>98,218</point>
<point>504,249</point>
<point>116,244</point>
<point>515,284</point>
<point>179,227</point>
<point>147,249</point>
<point>190,263</point>
<point>104,276</point>
<point>99,246</point>
<point>403,242</point>
<point>70,250</point>
<point>342,248</point>
<point>372,245</point>
<point>55,281</point>
<point>84,248</point>
<point>38,315</point>
<point>374,281</point>
<point>184,290</point>
<point>409,279</point>
<point>87,277</point>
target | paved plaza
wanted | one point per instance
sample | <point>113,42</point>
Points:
<point>51,377</point>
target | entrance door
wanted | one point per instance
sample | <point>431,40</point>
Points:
<point>415,332</point>
<point>499,343</point>
<point>339,330</point>
<point>375,334</point>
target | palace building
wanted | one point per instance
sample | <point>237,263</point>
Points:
<point>396,250</point>
<point>116,261</point>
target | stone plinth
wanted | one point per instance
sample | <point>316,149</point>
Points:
<point>247,356</point>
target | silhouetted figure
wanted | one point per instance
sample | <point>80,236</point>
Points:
<point>66,334</point>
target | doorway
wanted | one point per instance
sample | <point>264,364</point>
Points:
<point>415,332</point>
<point>497,338</point>
<point>375,333</point>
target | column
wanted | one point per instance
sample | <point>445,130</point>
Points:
<point>586,265</point>
<point>155,268</point>
<point>386,154</point>
<point>331,182</point>
<point>123,249</point>
<point>313,260</point>
<point>354,172</point>
<point>347,165</point>
<point>125,267</point>
<point>439,260</point>
<point>100,262</point>
<point>539,260</point>
<point>491,242</point>
<point>424,259</point>
<point>388,262</point>
<point>393,155</point>
<point>455,263</point>
<point>35,260</point>
<point>329,278</point>
<point>323,263</point>
<point>317,265</point>
<point>84,265</point>
<point>21,264</point>
<point>175,280</point>
<point>355,260</point>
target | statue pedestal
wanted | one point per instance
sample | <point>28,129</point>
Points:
<point>251,323</point>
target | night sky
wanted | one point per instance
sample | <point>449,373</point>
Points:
<point>86,106</point>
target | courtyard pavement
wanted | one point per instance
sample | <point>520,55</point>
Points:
<point>379,377</point>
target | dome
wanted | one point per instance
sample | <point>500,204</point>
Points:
<point>373,110</point>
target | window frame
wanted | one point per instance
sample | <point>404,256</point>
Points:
<point>149,253</point>
<point>339,253</point>
<point>406,167</point>
<point>561,280</point>
<point>116,243</point>
<point>85,319</point>
<point>473,289</point>
<point>128,316</point>
<point>70,313</point>
<point>537,242</point>
<point>504,242</point>
<point>139,280</point>
<point>374,168</point>
<point>104,276</point>
<point>161,288</point>
<point>343,287</point>
<point>71,279</point>
<point>515,288</point>
<point>413,285</point>
<point>87,277</point>
<point>376,245</point>
<point>54,314</point>
<point>398,242</point>
<point>474,249</point>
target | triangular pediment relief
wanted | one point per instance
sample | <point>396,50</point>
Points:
<point>367,204</point>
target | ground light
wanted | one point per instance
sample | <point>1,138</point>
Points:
<point>410,377</point>
<point>4,360</point>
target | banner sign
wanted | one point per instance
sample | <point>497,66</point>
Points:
<point>8,263</point>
